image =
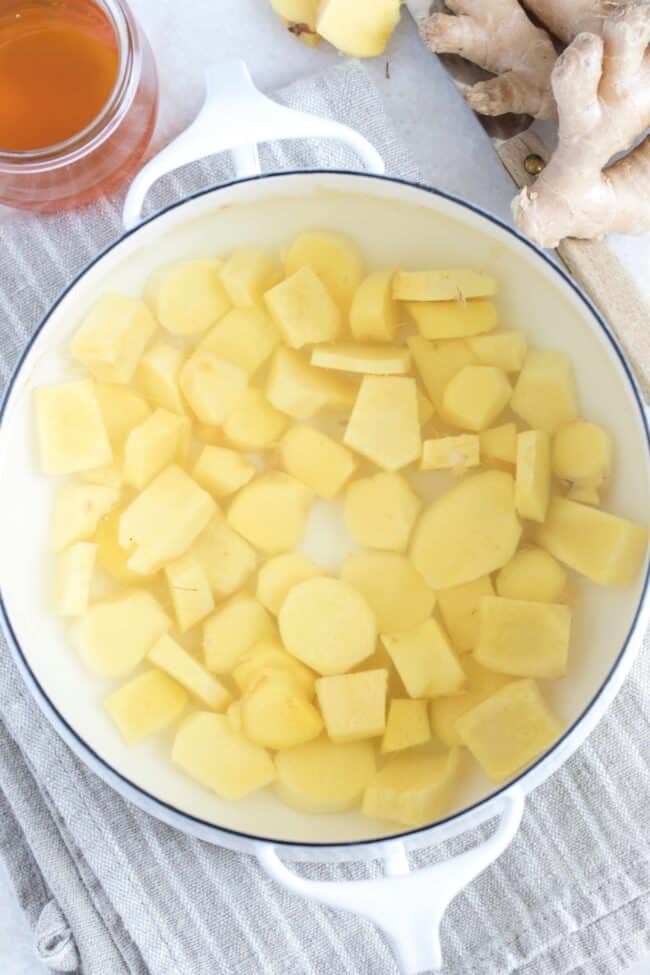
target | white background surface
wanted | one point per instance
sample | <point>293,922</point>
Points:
<point>445,138</point>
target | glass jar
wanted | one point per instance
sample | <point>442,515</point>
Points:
<point>104,154</point>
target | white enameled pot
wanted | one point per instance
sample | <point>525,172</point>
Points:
<point>396,223</point>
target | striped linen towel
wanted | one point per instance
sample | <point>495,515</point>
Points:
<point>110,891</point>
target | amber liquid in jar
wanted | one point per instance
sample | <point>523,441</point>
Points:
<point>58,66</point>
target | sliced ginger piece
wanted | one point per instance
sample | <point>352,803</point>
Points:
<point>212,386</point>
<point>72,436</point>
<point>499,444</point>
<point>509,729</point>
<point>232,630</point>
<point>532,574</point>
<point>151,446</point>
<point>146,705</point>
<point>445,711</point>
<point>605,548</point>
<point>315,459</point>
<point>504,350</point>
<point>227,558</point>
<point>448,284</point>
<point>115,635</point>
<point>72,579</point>
<point>302,391</point>
<point>533,477</point>
<point>380,511</point>
<point>122,409</point>
<point>222,471</point>
<point>475,397</point>
<point>382,360</point>
<point>582,454</point>
<point>392,587</point>
<point>384,425</point>
<point>276,713</point>
<point>216,755</point>
<point>450,453</point>
<point>374,314</point>
<point>249,272</point>
<point>187,297</point>
<point>112,337</point>
<point>190,591</point>
<point>333,257</point>
<point>280,574</point>
<point>303,310</point>
<point>425,660</point>
<point>271,512</point>
<point>523,638</point>
<point>459,607</point>
<point>158,374</point>
<point>253,423</point>
<point>323,776</point>
<point>268,656</point>
<point>453,319</point>
<point>437,363</point>
<point>169,656</point>
<point>545,394</point>
<point>362,29</point>
<point>468,532</point>
<point>327,625</point>
<point>407,725</point>
<point>245,337</point>
<point>413,789</point>
<point>353,705</point>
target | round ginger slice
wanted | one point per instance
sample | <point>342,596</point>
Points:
<point>324,777</point>
<point>328,625</point>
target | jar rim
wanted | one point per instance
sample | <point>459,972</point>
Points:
<point>100,128</point>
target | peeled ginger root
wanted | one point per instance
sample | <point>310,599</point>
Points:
<point>361,29</point>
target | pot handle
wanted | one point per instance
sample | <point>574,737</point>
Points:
<point>236,116</point>
<point>407,907</point>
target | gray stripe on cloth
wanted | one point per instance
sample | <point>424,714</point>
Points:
<point>569,896</point>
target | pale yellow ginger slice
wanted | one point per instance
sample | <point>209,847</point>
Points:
<point>303,309</point>
<point>582,454</point>
<point>445,284</point>
<point>361,29</point>
<point>509,729</point>
<point>425,660</point>
<point>333,257</point>
<point>302,391</point>
<point>227,558</point>
<point>545,395</point>
<point>279,575</point>
<point>459,608</point>
<point>276,713</point>
<point>407,725</point>
<point>158,374</point>
<point>187,297</point>
<point>222,471</point>
<point>254,423</point>
<point>121,409</point>
<point>163,521</point>
<point>151,446</point>
<point>71,433</point>
<point>506,350</point>
<point>533,474</point>
<point>271,512</point>
<point>499,444</point>
<point>72,579</point>
<point>315,459</point>
<point>413,789</point>
<point>384,426</point>
<point>112,337</point>
<point>374,314</point>
<point>77,512</point>
<point>393,588</point>
<point>190,591</point>
<point>534,575</point>
<point>245,337</point>
<point>169,656</point>
<point>324,777</point>
<point>212,386</point>
<point>212,752</point>
<point>387,360</point>
<point>146,705</point>
<point>328,625</point>
<point>523,638</point>
<point>476,397</point>
<point>232,630</point>
<point>353,705</point>
<point>115,635</point>
<point>248,272</point>
<point>450,453</point>
<point>380,511</point>
<point>453,319</point>
<point>438,362</point>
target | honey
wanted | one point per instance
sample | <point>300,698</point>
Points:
<point>59,62</point>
